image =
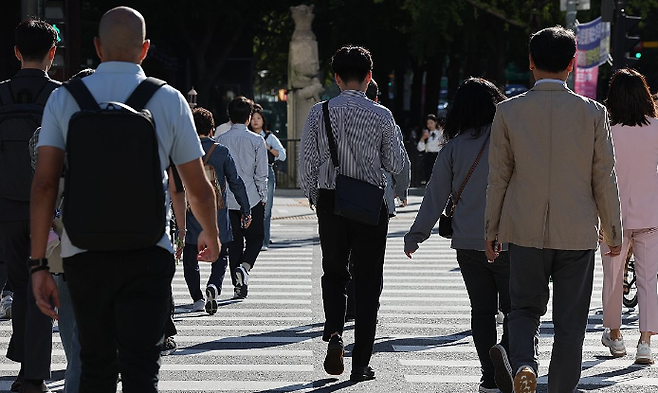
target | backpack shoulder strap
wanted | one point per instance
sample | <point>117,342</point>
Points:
<point>212,148</point>
<point>5,93</point>
<point>143,93</point>
<point>81,94</point>
<point>45,93</point>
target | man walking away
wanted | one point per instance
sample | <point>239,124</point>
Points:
<point>250,155</point>
<point>23,98</point>
<point>368,145</point>
<point>121,294</point>
<point>551,178</point>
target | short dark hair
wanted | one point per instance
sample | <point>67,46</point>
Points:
<point>552,48</point>
<point>432,116</point>
<point>239,109</point>
<point>474,106</point>
<point>203,121</point>
<point>351,63</point>
<point>629,100</point>
<point>258,108</point>
<point>373,90</point>
<point>34,38</point>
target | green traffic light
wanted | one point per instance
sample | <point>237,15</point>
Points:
<point>638,55</point>
<point>59,33</point>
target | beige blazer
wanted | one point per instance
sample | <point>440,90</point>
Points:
<point>551,172</point>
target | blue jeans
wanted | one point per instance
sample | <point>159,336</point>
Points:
<point>193,276</point>
<point>271,185</point>
<point>68,331</point>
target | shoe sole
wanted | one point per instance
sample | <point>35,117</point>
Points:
<point>525,381</point>
<point>644,361</point>
<point>502,369</point>
<point>333,363</point>
<point>612,351</point>
<point>362,377</point>
<point>211,303</point>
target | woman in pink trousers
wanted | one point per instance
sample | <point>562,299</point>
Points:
<point>634,129</point>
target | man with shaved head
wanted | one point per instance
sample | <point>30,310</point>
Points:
<point>121,298</point>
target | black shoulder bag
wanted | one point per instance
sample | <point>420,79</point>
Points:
<point>445,221</point>
<point>355,199</point>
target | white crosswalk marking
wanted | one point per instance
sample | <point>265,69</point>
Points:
<point>271,342</point>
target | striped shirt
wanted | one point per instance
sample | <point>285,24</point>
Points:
<point>367,141</point>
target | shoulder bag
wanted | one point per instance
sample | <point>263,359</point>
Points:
<point>355,199</point>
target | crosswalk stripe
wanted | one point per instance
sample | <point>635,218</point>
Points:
<point>542,380</point>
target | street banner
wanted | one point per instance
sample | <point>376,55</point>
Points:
<point>585,81</point>
<point>593,43</point>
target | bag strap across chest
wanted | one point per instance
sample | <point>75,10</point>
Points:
<point>137,100</point>
<point>333,150</point>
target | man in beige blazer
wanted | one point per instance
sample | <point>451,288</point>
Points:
<point>551,181</point>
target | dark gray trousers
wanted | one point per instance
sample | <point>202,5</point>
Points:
<point>32,330</point>
<point>572,273</point>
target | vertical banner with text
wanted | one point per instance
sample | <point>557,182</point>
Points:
<point>593,50</point>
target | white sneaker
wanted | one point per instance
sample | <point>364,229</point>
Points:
<point>643,354</point>
<point>5,307</point>
<point>199,305</point>
<point>617,347</point>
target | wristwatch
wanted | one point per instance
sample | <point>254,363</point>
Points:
<point>32,263</point>
<point>37,264</point>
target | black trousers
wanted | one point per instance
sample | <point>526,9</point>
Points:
<point>122,301</point>
<point>572,273</point>
<point>428,165</point>
<point>340,237</point>
<point>170,327</point>
<point>31,339</point>
<point>247,242</point>
<point>487,285</point>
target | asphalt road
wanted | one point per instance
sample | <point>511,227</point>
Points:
<point>271,341</point>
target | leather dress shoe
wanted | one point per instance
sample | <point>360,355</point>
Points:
<point>360,374</point>
<point>34,386</point>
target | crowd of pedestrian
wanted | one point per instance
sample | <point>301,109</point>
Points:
<point>119,333</point>
<point>531,186</point>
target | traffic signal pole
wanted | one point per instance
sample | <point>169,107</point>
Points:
<point>623,43</point>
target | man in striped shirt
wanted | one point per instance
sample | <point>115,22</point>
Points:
<point>368,145</point>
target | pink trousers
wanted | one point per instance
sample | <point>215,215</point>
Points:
<point>645,251</point>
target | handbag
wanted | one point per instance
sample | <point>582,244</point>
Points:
<point>445,220</point>
<point>355,199</point>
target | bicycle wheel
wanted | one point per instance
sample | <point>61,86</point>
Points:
<point>630,287</point>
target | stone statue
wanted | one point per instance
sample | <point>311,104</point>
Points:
<point>303,66</point>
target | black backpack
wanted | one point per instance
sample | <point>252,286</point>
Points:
<point>114,198</point>
<point>18,121</point>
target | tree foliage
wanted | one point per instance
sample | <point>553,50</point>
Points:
<point>416,44</point>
